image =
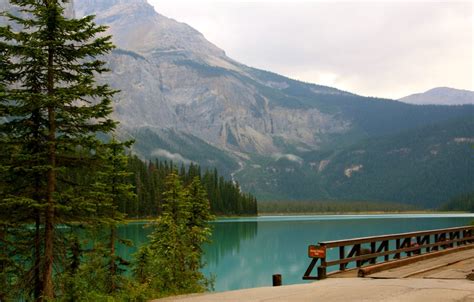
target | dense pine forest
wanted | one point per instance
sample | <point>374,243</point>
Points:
<point>309,207</point>
<point>464,202</point>
<point>224,195</point>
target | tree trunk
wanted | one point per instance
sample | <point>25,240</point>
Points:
<point>113,266</point>
<point>48,288</point>
<point>37,257</point>
<point>2,263</point>
<point>36,148</point>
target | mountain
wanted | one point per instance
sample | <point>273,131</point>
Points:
<point>425,166</point>
<point>441,96</point>
<point>185,83</point>
<point>183,99</point>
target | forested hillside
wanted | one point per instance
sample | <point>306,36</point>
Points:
<point>464,202</point>
<point>423,167</point>
<point>148,180</point>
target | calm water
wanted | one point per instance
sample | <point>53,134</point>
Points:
<point>246,252</point>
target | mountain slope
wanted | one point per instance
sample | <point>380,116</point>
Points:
<point>424,167</point>
<point>441,96</point>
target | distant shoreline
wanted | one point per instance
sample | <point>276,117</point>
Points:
<point>360,213</point>
<point>150,219</point>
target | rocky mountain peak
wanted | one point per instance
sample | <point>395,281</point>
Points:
<point>94,7</point>
<point>136,26</point>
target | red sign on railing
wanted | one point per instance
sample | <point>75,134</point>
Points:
<point>316,251</point>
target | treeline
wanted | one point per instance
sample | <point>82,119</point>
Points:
<point>148,178</point>
<point>464,202</point>
<point>308,207</point>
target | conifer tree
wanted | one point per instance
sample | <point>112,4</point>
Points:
<point>173,255</point>
<point>110,191</point>
<point>51,111</point>
<point>168,241</point>
<point>198,222</point>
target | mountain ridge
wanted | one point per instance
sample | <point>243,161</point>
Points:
<point>441,96</point>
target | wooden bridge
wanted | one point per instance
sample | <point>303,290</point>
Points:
<point>397,255</point>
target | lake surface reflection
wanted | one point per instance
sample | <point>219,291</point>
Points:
<point>246,252</point>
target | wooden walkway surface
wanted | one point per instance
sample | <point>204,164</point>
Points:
<point>452,266</point>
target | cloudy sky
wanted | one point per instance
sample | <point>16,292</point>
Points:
<point>375,48</point>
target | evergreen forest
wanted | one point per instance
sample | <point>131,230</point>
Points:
<point>64,190</point>
<point>225,196</point>
<point>463,202</point>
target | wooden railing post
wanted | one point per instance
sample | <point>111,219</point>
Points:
<point>342,255</point>
<point>356,249</point>
<point>436,240</point>
<point>384,247</point>
<point>322,270</point>
<point>397,246</point>
<point>424,240</point>
<point>373,251</point>
<point>276,280</point>
<point>322,273</point>
<point>454,235</point>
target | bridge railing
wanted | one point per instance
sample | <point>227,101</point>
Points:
<point>386,248</point>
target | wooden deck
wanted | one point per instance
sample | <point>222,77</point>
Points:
<point>451,266</point>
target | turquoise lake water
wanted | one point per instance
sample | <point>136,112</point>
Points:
<point>246,252</point>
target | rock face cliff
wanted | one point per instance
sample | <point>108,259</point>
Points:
<point>172,77</point>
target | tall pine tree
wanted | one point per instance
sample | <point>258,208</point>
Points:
<point>198,227</point>
<point>170,263</point>
<point>110,191</point>
<point>51,110</point>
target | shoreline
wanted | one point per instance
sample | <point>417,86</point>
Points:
<point>360,213</point>
<point>267,214</point>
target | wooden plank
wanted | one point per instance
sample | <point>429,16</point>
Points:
<point>449,274</point>
<point>348,273</point>
<point>425,266</point>
<point>365,271</point>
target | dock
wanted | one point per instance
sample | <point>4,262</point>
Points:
<point>433,265</point>
<point>455,266</point>
<point>392,256</point>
